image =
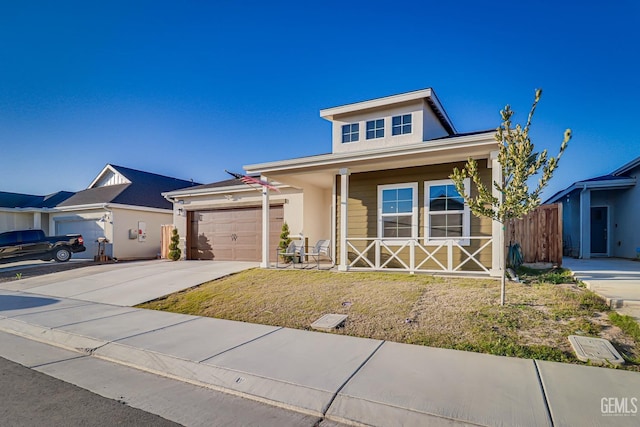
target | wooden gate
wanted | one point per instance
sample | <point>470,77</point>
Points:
<point>539,234</point>
<point>165,240</point>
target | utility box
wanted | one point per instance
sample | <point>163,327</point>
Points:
<point>133,234</point>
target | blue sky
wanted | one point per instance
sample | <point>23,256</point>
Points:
<point>191,88</point>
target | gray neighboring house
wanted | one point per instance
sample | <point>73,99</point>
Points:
<point>122,204</point>
<point>27,211</point>
<point>600,215</point>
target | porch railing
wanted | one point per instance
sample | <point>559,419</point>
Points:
<point>401,254</point>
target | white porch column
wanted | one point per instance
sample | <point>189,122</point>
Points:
<point>265,225</point>
<point>585,224</point>
<point>344,200</point>
<point>37,220</point>
<point>497,232</point>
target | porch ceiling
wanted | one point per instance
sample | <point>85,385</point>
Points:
<point>320,170</point>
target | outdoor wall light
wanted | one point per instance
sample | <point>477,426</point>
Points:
<point>180,211</point>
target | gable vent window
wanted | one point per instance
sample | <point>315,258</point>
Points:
<point>401,125</point>
<point>351,132</point>
<point>375,129</point>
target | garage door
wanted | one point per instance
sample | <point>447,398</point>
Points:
<point>90,230</point>
<point>232,234</point>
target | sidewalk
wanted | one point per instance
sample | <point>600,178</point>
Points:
<point>340,378</point>
<point>617,280</point>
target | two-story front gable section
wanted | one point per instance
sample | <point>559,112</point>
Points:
<point>398,120</point>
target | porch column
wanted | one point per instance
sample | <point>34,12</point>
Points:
<point>37,220</point>
<point>265,225</point>
<point>344,200</point>
<point>585,224</point>
<point>497,229</point>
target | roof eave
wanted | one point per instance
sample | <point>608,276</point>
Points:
<point>593,185</point>
<point>337,158</point>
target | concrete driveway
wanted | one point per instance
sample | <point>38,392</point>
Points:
<point>617,280</point>
<point>127,284</point>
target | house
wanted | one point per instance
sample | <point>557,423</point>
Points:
<point>600,215</point>
<point>122,204</point>
<point>382,196</point>
<point>27,211</point>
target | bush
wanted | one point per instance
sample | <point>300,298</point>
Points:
<point>174,250</point>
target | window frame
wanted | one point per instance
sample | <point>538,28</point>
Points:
<point>350,133</point>
<point>375,129</point>
<point>402,124</point>
<point>466,215</point>
<point>397,241</point>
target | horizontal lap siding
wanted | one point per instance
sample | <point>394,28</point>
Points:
<point>363,211</point>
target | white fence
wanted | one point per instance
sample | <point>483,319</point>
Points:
<point>401,254</point>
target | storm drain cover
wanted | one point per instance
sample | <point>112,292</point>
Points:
<point>595,350</point>
<point>329,322</point>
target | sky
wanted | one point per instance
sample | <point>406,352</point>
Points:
<point>191,88</point>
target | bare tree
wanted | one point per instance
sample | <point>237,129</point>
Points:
<point>519,164</point>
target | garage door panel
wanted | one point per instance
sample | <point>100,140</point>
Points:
<point>90,230</point>
<point>232,234</point>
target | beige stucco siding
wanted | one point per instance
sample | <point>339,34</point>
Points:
<point>363,208</point>
<point>127,219</point>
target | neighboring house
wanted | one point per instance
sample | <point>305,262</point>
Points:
<point>600,215</point>
<point>27,211</point>
<point>382,196</point>
<point>122,204</point>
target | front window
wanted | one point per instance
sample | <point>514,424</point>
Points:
<point>351,132</point>
<point>375,129</point>
<point>447,216</point>
<point>401,125</point>
<point>398,210</point>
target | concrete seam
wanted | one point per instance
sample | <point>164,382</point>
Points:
<point>152,330</point>
<point>544,393</point>
<point>240,345</point>
<point>97,318</point>
<point>335,395</point>
<point>83,356</point>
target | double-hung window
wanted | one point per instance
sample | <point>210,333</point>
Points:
<point>401,125</point>
<point>398,210</point>
<point>375,129</point>
<point>350,132</point>
<point>447,215</point>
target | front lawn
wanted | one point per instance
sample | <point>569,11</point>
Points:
<point>458,313</point>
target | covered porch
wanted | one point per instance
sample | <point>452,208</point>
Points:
<point>343,195</point>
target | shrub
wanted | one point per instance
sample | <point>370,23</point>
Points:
<point>174,250</point>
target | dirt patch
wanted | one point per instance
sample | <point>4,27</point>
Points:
<point>54,267</point>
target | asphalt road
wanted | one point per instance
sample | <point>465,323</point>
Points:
<point>30,398</point>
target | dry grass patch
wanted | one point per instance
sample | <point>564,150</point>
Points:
<point>454,313</point>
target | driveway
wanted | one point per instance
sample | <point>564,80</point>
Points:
<point>617,280</point>
<point>127,284</point>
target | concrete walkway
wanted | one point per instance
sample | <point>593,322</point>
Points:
<point>617,280</point>
<point>334,377</point>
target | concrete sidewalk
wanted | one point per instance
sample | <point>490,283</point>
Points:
<point>339,378</point>
<point>617,280</point>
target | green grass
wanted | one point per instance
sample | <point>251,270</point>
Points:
<point>456,313</point>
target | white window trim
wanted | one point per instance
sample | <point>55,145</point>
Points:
<point>401,133</point>
<point>466,214</point>
<point>414,211</point>
<point>350,132</point>
<point>375,129</point>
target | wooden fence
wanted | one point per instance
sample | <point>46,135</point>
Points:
<point>165,239</point>
<point>539,234</point>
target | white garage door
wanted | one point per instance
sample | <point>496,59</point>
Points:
<point>90,230</point>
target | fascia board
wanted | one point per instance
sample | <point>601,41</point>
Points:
<point>626,168</point>
<point>594,185</point>
<point>213,191</point>
<point>138,208</point>
<point>329,113</point>
<point>337,158</point>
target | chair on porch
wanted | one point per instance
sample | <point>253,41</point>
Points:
<point>295,251</point>
<point>321,249</point>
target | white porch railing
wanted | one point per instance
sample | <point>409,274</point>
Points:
<point>401,254</point>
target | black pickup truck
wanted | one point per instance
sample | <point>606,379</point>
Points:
<point>33,244</point>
